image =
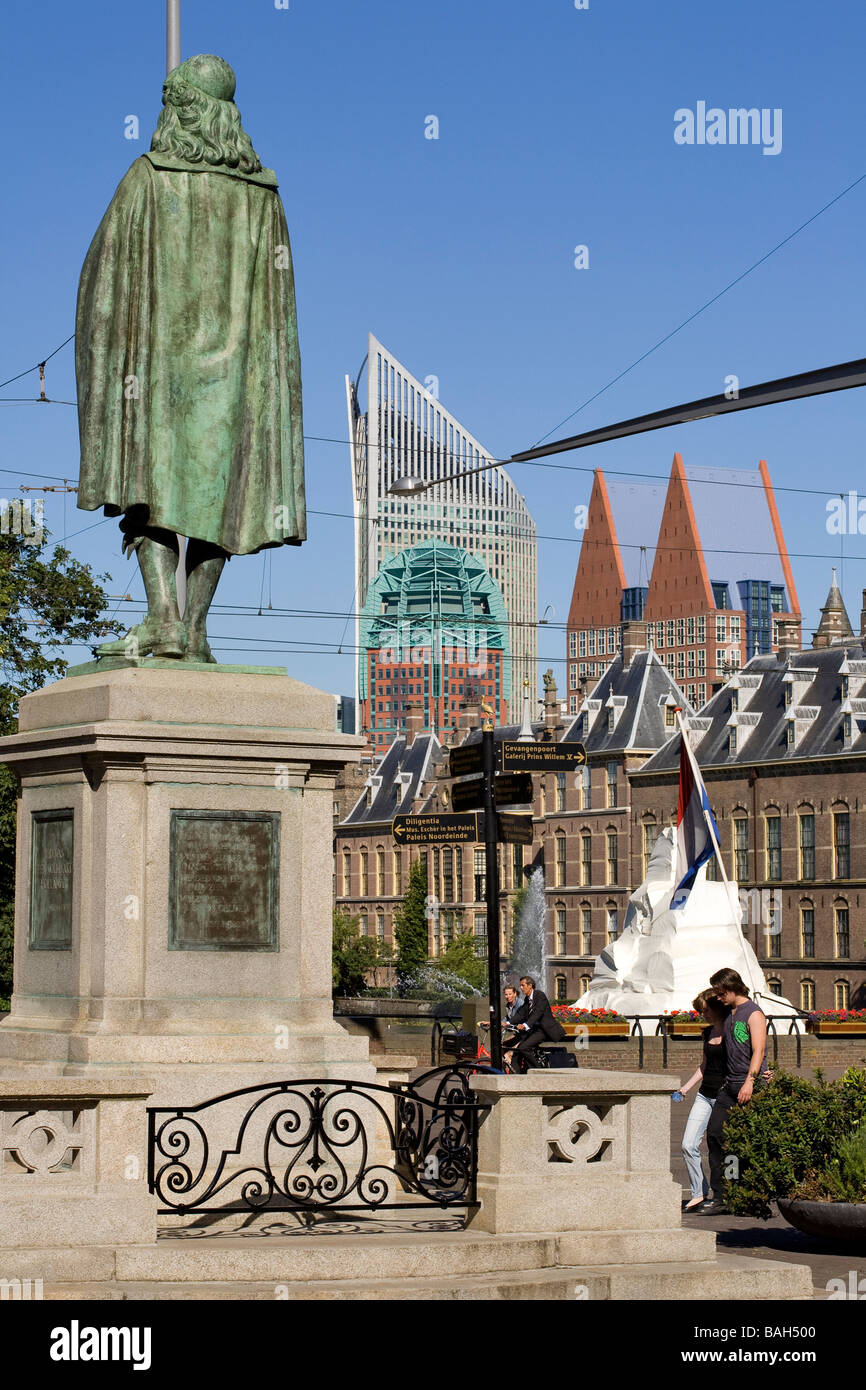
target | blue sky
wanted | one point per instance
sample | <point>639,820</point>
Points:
<point>556,129</point>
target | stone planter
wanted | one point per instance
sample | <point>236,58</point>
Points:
<point>598,1030</point>
<point>825,1028</point>
<point>828,1220</point>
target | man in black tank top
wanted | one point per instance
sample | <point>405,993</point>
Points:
<point>745,1033</point>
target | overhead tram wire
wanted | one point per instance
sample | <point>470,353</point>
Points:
<point>715,298</point>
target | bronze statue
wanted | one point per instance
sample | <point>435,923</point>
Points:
<point>187,361</point>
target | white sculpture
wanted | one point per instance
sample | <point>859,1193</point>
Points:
<point>664,958</point>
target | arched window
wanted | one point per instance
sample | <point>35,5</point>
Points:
<point>650,835</point>
<point>611,844</point>
<point>347,872</point>
<point>380,926</point>
<point>380,873</point>
<point>363,917</point>
<point>586,857</point>
<point>398,873</point>
<point>841,841</point>
<point>561,935</point>
<point>841,994</point>
<point>843,932</point>
<point>585,929</point>
<point>806,829</point>
<point>560,858</point>
<point>584,983</point>
<point>740,846</point>
<point>561,989</point>
<point>807,928</point>
<point>773,838</point>
<point>774,985</point>
<point>612,921</point>
<point>365,875</point>
<point>807,995</point>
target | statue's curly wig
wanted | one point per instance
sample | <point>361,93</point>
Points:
<point>200,128</point>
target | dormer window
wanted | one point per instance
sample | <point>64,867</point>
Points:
<point>845,688</point>
<point>732,740</point>
<point>735,701</point>
<point>847,728</point>
<point>789,696</point>
<point>670,717</point>
<point>791,735</point>
<point>611,720</point>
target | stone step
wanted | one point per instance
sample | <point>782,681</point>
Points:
<point>731,1278</point>
<point>251,1257</point>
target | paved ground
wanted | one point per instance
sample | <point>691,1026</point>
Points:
<point>770,1240</point>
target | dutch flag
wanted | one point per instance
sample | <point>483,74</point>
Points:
<point>694,817</point>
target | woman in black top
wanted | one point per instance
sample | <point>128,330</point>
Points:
<point>710,1077</point>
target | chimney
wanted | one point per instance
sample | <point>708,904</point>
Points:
<point>470,716</point>
<point>633,641</point>
<point>414,719</point>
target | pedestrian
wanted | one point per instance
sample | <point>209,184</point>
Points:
<point>745,1034</point>
<point>709,1077</point>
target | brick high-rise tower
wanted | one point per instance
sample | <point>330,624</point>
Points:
<point>701,573</point>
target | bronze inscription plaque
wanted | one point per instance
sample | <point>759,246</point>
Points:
<point>51,849</point>
<point>224,883</point>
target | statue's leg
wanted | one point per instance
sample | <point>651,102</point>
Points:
<point>161,633</point>
<point>204,565</point>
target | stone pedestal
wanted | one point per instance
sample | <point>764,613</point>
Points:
<point>174,880</point>
<point>576,1151</point>
<point>73,1165</point>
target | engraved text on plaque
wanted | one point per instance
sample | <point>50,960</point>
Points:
<point>224,881</point>
<point>51,847</point>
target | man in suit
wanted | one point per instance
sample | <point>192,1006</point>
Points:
<point>535,1023</point>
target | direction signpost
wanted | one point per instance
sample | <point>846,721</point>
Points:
<point>515,827</point>
<point>496,776</point>
<point>435,829</point>
<point>541,757</point>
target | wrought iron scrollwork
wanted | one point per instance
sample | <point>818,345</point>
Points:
<point>320,1145</point>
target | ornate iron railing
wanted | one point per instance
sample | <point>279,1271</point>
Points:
<point>320,1145</point>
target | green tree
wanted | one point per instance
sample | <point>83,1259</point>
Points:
<point>459,959</point>
<point>47,601</point>
<point>410,926</point>
<point>354,956</point>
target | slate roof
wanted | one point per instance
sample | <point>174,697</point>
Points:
<point>817,706</point>
<point>640,693</point>
<point>395,781</point>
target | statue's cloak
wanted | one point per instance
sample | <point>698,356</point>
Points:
<point>187,361</point>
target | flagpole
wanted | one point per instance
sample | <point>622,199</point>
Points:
<point>735,911</point>
<point>172,35</point>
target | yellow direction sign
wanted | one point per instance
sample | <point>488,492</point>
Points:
<point>541,757</point>
<point>434,829</point>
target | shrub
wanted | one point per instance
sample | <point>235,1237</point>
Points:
<point>791,1131</point>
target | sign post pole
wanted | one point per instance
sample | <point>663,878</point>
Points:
<point>488,752</point>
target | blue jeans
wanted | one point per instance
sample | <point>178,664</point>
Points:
<point>696,1124</point>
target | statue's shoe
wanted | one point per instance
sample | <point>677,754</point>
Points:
<point>152,637</point>
<point>197,648</point>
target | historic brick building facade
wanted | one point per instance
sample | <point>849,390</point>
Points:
<point>782,749</point>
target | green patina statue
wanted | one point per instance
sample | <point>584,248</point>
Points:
<point>187,361</point>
